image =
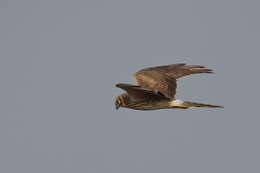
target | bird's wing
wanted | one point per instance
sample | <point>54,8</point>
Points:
<point>138,93</point>
<point>157,81</point>
<point>179,70</point>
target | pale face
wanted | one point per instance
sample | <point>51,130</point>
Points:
<point>118,103</point>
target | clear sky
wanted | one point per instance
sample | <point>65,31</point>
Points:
<point>60,61</point>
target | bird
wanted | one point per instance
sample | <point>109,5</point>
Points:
<point>155,88</point>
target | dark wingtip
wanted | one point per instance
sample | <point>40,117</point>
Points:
<point>216,106</point>
<point>195,66</point>
<point>123,85</point>
<point>120,85</point>
<point>206,70</point>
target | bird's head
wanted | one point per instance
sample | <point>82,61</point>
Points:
<point>118,103</point>
<point>121,100</point>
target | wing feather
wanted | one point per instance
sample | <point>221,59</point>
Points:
<point>179,70</point>
<point>163,78</point>
<point>138,93</point>
<point>156,81</point>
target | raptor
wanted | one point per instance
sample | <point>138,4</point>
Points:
<point>156,88</point>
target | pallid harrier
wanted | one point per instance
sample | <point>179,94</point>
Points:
<point>156,88</point>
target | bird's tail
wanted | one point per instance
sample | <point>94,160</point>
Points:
<point>188,104</point>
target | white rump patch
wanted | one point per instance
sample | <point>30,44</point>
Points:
<point>176,103</point>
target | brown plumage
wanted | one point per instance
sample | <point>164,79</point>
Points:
<point>156,88</point>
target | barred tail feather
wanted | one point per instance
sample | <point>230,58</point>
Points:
<point>194,104</point>
<point>187,104</point>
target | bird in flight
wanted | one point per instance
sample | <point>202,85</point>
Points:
<point>156,88</point>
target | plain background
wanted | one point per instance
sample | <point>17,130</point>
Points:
<point>60,61</point>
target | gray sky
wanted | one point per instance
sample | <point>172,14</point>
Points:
<point>60,60</point>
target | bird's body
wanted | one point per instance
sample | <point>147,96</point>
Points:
<point>146,104</point>
<point>156,88</point>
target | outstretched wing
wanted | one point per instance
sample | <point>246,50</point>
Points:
<point>179,70</point>
<point>163,78</point>
<point>138,93</point>
<point>157,81</point>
